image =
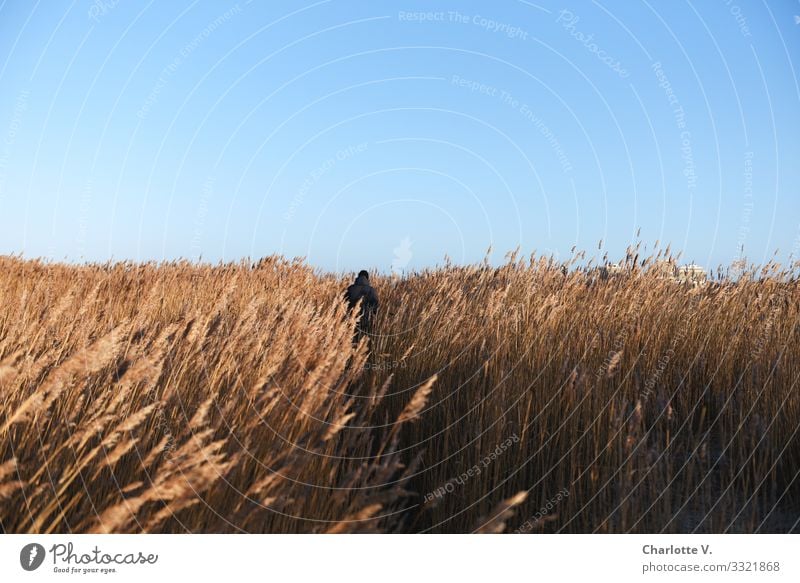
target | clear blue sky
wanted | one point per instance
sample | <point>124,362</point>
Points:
<point>388,134</point>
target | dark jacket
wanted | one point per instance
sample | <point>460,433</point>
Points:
<point>362,290</point>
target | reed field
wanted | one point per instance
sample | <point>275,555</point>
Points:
<point>534,397</point>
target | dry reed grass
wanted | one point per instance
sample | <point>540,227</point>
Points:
<point>177,397</point>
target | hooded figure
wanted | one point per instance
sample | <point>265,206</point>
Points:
<point>362,291</point>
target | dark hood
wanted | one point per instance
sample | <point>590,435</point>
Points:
<point>362,280</point>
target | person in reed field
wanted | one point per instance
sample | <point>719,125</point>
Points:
<point>362,291</point>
